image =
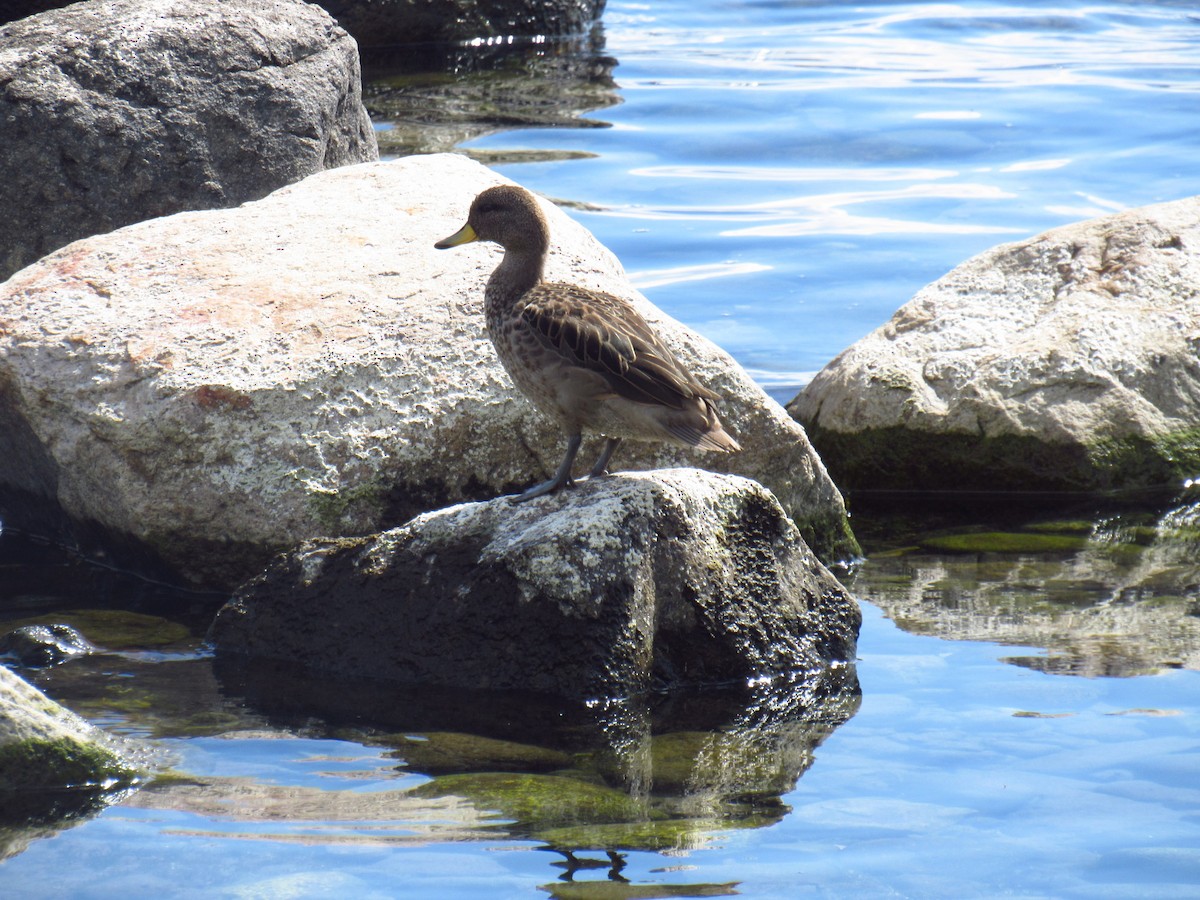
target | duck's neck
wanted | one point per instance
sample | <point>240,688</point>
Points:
<point>520,270</point>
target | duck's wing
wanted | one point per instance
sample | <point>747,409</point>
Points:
<point>604,334</point>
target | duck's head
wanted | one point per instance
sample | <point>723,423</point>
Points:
<point>507,215</point>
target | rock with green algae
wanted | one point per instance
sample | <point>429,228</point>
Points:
<point>44,747</point>
<point>116,629</point>
<point>1063,362</point>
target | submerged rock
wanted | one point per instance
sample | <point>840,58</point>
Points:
<point>627,583</point>
<point>1069,361</point>
<point>118,111</point>
<point>215,387</point>
<point>45,749</point>
<point>44,645</point>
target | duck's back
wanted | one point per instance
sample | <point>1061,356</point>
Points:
<point>590,360</point>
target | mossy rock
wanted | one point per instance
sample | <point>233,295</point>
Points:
<point>447,752</point>
<point>899,458</point>
<point>830,537</point>
<point>117,629</point>
<point>40,764</point>
<point>538,801</point>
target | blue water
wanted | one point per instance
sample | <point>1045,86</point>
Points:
<point>936,788</point>
<point>820,162</point>
<point>782,176</point>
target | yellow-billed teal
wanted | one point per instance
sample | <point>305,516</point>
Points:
<point>584,357</point>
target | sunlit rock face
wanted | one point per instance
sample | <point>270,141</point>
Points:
<point>629,582</point>
<point>213,387</point>
<point>117,111</point>
<point>1068,361</point>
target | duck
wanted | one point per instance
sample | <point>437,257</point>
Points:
<point>585,358</point>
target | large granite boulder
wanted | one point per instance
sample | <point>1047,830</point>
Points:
<point>630,582</point>
<point>1069,361</point>
<point>116,111</point>
<point>45,749</point>
<point>218,386</point>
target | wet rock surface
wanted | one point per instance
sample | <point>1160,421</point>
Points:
<point>638,581</point>
<point>123,110</point>
<point>211,388</point>
<point>1069,361</point>
<point>45,750</point>
<point>43,645</point>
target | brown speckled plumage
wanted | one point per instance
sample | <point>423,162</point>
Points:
<point>586,358</point>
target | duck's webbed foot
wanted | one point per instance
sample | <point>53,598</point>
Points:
<point>541,490</point>
<point>562,478</point>
<point>601,467</point>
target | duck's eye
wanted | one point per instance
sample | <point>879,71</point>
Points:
<point>488,207</point>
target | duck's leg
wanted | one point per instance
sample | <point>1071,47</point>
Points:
<point>601,467</point>
<point>562,478</point>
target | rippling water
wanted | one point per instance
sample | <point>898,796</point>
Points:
<point>782,176</point>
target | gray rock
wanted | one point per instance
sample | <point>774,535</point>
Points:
<point>116,111</point>
<point>1069,361</point>
<point>44,645</point>
<point>635,581</point>
<point>44,747</point>
<point>218,386</point>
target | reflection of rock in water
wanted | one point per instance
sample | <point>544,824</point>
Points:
<point>311,815</point>
<point>1128,603</point>
<point>655,772</point>
<point>430,103</point>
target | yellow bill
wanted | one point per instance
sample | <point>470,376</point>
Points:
<point>464,235</point>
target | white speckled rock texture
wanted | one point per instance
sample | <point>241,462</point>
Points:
<point>218,386</point>
<point>1069,361</point>
<point>116,111</point>
<point>634,581</point>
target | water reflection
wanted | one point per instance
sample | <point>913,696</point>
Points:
<point>665,772</point>
<point>432,102</point>
<point>1118,595</point>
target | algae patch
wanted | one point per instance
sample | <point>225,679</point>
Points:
<point>40,763</point>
